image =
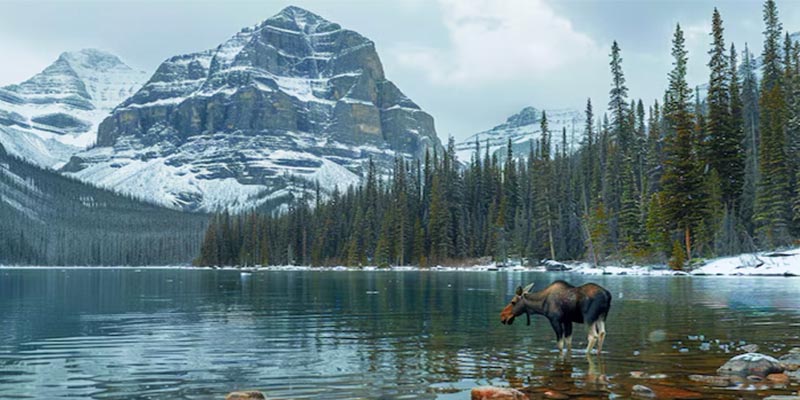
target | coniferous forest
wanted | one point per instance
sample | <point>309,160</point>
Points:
<point>49,219</point>
<point>704,171</point>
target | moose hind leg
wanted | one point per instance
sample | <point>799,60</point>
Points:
<point>601,333</point>
<point>568,335</point>
<point>592,338</point>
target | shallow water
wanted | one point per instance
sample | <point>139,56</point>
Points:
<point>183,334</point>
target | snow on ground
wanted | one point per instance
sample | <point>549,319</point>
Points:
<point>785,263</point>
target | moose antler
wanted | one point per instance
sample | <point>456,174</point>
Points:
<point>528,288</point>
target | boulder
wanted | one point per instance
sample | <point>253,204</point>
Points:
<point>497,393</point>
<point>751,364</point>
<point>246,395</point>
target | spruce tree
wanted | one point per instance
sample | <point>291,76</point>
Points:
<point>772,211</point>
<point>682,181</point>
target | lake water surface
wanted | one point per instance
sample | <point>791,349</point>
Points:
<point>186,334</point>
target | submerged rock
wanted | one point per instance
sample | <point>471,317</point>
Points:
<point>711,380</point>
<point>496,393</point>
<point>246,395</point>
<point>778,378</point>
<point>552,394</point>
<point>751,364</point>
<point>791,361</point>
<point>643,391</point>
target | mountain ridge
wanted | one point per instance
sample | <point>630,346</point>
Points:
<point>281,105</point>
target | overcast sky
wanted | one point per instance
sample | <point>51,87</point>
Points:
<point>469,63</point>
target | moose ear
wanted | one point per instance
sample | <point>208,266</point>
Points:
<point>528,288</point>
<point>519,291</point>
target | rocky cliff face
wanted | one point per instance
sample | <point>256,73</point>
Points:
<point>524,128</point>
<point>289,102</point>
<point>56,112</point>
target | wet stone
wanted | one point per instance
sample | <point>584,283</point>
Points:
<point>791,361</point>
<point>711,380</point>
<point>246,395</point>
<point>552,394</point>
<point>778,378</point>
<point>751,364</point>
<point>496,393</point>
<point>643,391</point>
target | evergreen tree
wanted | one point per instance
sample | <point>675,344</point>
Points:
<point>771,209</point>
<point>682,181</point>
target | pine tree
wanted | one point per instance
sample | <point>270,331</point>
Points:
<point>682,181</point>
<point>771,209</point>
<point>725,153</point>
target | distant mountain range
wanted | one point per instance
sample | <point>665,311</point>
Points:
<point>280,107</point>
<point>524,129</point>
<point>54,114</point>
<point>291,102</point>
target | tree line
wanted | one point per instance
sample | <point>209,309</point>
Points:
<point>49,219</point>
<point>687,177</point>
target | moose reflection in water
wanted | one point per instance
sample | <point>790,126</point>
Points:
<point>562,304</point>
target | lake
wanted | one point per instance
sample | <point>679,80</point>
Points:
<point>198,334</point>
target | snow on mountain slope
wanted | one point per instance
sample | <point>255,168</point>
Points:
<point>293,101</point>
<point>56,113</point>
<point>523,128</point>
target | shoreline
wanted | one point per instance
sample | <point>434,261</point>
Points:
<point>762,264</point>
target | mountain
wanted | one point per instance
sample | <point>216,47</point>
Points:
<point>49,219</point>
<point>523,128</point>
<point>280,106</point>
<point>55,113</point>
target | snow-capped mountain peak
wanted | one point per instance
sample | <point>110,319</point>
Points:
<point>293,101</point>
<point>524,129</point>
<point>55,113</point>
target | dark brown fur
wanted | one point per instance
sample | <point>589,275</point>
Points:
<point>563,304</point>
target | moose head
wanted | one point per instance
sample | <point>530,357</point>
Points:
<point>516,306</point>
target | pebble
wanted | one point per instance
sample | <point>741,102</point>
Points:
<point>778,378</point>
<point>496,393</point>
<point>552,394</point>
<point>643,391</point>
<point>711,380</point>
<point>246,395</point>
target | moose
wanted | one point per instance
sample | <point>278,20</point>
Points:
<point>563,304</point>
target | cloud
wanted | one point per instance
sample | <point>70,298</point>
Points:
<point>499,40</point>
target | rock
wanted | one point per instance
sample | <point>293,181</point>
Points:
<point>782,397</point>
<point>749,348</point>
<point>552,394</point>
<point>643,391</point>
<point>793,374</point>
<point>246,395</point>
<point>791,360</point>
<point>778,378</point>
<point>711,380</point>
<point>638,374</point>
<point>496,393</point>
<point>554,266</point>
<point>751,364</point>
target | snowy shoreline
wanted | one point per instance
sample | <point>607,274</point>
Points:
<point>767,264</point>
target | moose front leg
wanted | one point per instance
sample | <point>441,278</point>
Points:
<point>558,329</point>
<point>568,335</point>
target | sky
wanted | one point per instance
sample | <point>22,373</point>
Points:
<point>469,63</point>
